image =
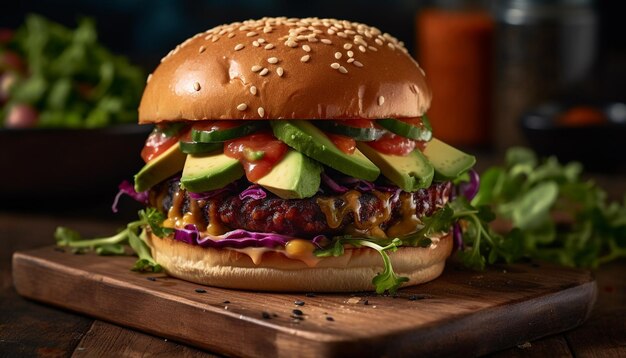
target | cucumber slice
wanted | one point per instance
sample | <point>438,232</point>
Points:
<point>198,147</point>
<point>216,136</point>
<point>360,134</point>
<point>312,142</point>
<point>406,130</point>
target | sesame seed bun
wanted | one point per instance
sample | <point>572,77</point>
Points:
<point>350,272</point>
<point>278,68</point>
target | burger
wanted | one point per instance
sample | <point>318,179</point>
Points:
<point>296,155</point>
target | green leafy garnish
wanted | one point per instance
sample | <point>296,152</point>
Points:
<point>133,235</point>
<point>71,79</point>
<point>384,281</point>
<point>553,213</point>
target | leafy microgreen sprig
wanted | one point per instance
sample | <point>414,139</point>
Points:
<point>133,235</point>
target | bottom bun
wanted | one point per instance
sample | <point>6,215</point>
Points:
<point>350,272</point>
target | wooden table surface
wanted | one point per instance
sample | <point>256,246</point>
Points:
<point>32,329</point>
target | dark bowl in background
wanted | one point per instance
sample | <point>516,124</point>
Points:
<point>599,147</point>
<point>67,166</point>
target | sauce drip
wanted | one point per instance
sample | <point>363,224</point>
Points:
<point>336,210</point>
<point>258,153</point>
<point>408,222</point>
<point>176,218</point>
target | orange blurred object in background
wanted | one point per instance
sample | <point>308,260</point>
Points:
<point>455,50</point>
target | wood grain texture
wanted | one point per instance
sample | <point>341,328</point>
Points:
<point>461,312</point>
<point>108,340</point>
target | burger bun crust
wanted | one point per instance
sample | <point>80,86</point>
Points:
<point>350,272</point>
<point>263,69</point>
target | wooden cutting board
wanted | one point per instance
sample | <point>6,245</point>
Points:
<point>461,313</point>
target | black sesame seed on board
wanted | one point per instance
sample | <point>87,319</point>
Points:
<point>226,302</point>
<point>151,278</point>
<point>310,294</point>
<point>297,312</point>
<point>265,315</point>
<point>366,302</point>
<point>199,290</point>
<point>330,318</point>
<point>299,303</point>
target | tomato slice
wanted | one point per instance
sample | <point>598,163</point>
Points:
<point>157,143</point>
<point>344,143</point>
<point>258,153</point>
<point>393,144</point>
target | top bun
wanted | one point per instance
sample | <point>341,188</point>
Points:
<point>279,68</point>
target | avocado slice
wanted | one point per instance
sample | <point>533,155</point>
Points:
<point>296,176</point>
<point>160,168</point>
<point>312,142</point>
<point>410,173</point>
<point>448,161</point>
<point>210,171</point>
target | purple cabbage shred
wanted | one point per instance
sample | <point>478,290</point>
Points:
<point>237,239</point>
<point>126,188</point>
<point>253,191</point>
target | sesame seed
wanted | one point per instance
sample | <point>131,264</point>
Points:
<point>305,58</point>
<point>253,90</point>
<point>343,69</point>
<point>196,86</point>
<point>335,65</point>
<point>149,78</point>
<point>261,40</point>
<point>242,107</point>
<point>313,39</point>
<point>362,48</point>
<point>267,30</point>
<point>269,46</point>
<point>291,43</point>
<point>215,38</point>
<point>239,47</point>
<point>326,41</point>
<point>256,68</point>
<point>379,42</point>
<point>201,49</point>
<point>350,60</point>
<point>358,64</point>
<point>381,100</point>
<point>251,34</point>
<point>244,28</point>
<point>330,31</point>
<point>231,35</point>
<point>280,71</point>
<point>350,54</point>
<point>272,60</point>
<point>306,48</point>
<point>337,55</point>
<point>347,46</point>
<point>342,35</point>
<point>261,112</point>
<point>264,72</point>
<point>391,46</point>
<point>255,43</point>
<point>372,48</point>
